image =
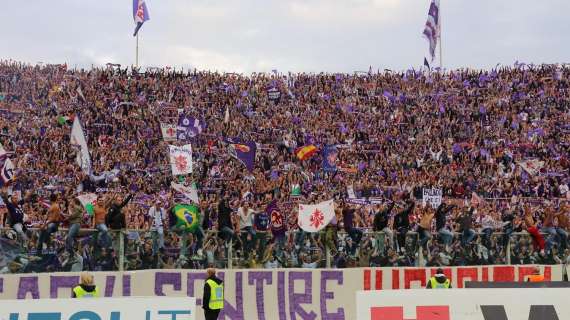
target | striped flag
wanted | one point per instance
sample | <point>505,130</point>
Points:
<point>431,30</point>
<point>140,14</point>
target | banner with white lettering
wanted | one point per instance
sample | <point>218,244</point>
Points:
<point>280,294</point>
<point>432,197</point>
<point>139,308</point>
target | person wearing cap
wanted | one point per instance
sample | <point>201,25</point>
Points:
<point>536,276</point>
<point>439,281</point>
<point>213,299</point>
<point>86,288</point>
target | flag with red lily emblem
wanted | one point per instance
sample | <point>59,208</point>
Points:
<point>315,217</point>
<point>181,159</point>
<point>168,131</point>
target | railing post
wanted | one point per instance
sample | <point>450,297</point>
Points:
<point>508,253</point>
<point>230,255</point>
<point>327,257</point>
<point>121,251</point>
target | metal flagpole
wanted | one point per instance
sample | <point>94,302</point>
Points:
<point>137,55</point>
<point>440,42</point>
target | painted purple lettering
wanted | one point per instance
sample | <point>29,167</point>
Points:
<point>109,286</point>
<point>329,295</point>
<point>234,313</point>
<point>190,285</point>
<point>57,282</point>
<point>126,285</point>
<point>281,295</point>
<point>297,299</point>
<point>28,285</point>
<point>1,285</point>
<point>163,278</point>
<point>258,277</point>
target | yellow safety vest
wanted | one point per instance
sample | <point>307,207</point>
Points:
<point>437,285</point>
<point>216,295</point>
<point>81,293</point>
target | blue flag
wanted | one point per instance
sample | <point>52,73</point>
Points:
<point>330,156</point>
<point>140,14</point>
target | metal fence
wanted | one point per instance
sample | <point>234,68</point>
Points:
<point>137,249</point>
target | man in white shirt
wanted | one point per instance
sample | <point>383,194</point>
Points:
<point>157,214</point>
<point>245,214</point>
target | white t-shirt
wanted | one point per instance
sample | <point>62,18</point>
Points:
<point>157,215</point>
<point>245,218</point>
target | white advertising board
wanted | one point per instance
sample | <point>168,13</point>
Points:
<point>464,304</point>
<point>134,308</point>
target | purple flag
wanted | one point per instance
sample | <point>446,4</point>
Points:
<point>188,127</point>
<point>431,30</point>
<point>140,14</point>
<point>243,151</point>
<point>277,220</point>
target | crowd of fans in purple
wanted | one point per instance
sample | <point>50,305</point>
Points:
<point>466,132</point>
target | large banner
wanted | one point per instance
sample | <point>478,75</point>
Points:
<point>139,308</point>
<point>464,304</point>
<point>277,294</point>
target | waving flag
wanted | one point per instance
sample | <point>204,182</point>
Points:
<point>168,131</point>
<point>330,158</point>
<point>431,30</point>
<point>88,201</point>
<point>188,127</point>
<point>181,159</point>
<point>6,167</point>
<point>243,151</point>
<point>78,139</point>
<point>140,14</point>
<point>187,193</point>
<point>188,217</point>
<point>306,152</point>
<point>314,218</point>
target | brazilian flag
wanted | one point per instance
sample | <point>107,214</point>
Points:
<point>188,217</point>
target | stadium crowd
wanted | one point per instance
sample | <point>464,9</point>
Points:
<point>496,143</point>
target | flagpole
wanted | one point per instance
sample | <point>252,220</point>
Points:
<point>137,52</point>
<point>440,42</point>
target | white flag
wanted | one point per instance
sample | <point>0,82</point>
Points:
<point>313,218</point>
<point>181,159</point>
<point>532,166</point>
<point>88,201</point>
<point>6,167</point>
<point>78,139</point>
<point>168,131</point>
<point>227,115</point>
<point>190,193</point>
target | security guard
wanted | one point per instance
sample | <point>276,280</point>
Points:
<point>439,281</point>
<point>213,299</point>
<point>536,276</point>
<point>86,288</point>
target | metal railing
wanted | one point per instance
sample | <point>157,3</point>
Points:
<point>138,249</point>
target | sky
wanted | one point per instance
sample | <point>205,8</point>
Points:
<point>247,36</point>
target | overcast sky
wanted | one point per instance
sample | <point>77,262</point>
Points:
<point>287,35</point>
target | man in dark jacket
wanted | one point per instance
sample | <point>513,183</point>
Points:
<point>382,224</point>
<point>115,218</point>
<point>213,298</point>
<point>225,226</point>
<point>445,235</point>
<point>15,215</point>
<point>465,221</point>
<point>402,224</point>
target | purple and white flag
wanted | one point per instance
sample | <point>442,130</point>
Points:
<point>431,30</point>
<point>6,167</point>
<point>188,127</point>
<point>140,14</point>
